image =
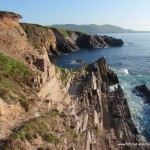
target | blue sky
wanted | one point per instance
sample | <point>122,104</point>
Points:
<point>134,14</point>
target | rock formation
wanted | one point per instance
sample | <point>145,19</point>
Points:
<point>58,108</point>
<point>62,41</point>
<point>142,91</point>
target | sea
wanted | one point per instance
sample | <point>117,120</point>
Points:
<point>131,62</point>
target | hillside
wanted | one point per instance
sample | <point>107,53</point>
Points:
<point>95,29</point>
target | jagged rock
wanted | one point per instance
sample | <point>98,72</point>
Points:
<point>85,122</point>
<point>96,118</point>
<point>142,90</point>
<point>140,139</point>
<point>63,44</point>
<point>94,81</point>
<point>112,41</point>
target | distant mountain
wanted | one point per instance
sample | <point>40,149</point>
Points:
<point>95,29</point>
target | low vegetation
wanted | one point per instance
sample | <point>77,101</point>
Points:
<point>13,75</point>
<point>68,33</point>
<point>50,128</point>
<point>36,34</point>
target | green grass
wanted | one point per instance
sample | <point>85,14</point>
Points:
<point>66,33</point>
<point>45,128</point>
<point>13,75</point>
<point>15,136</point>
<point>38,127</point>
<point>13,69</point>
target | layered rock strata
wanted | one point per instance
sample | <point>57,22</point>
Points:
<point>59,42</point>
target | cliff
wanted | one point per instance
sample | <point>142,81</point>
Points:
<point>20,61</point>
<point>59,41</point>
<point>47,107</point>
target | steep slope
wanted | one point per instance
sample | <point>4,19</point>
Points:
<point>21,101</point>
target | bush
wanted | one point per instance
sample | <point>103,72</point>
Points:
<point>50,138</point>
<point>15,136</point>
<point>28,137</point>
<point>25,105</point>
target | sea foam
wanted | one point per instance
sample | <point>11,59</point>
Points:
<point>124,71</point>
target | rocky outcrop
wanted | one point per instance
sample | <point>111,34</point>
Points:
<point>40,36</point>
<point>9,16</point>
<point>76,40</point>
<point>143,91</point>
<point>62,41</point>
<point>95,41</point>
<point>12,37</point>
<point>63,45</point>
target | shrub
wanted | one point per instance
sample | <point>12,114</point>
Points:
<point>28,137</point>
<point>15,136</point>
<point>50,138</point>
<point>25,105</point>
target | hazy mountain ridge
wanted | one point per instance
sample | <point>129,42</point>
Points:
<point>95,29</point>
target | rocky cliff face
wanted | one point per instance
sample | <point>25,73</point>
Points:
<point>59,41</point>
<point>19,101</point>
<point>58,108</point>
<point>40,37</point>
<point>12,37</point>
<point>67,41</point>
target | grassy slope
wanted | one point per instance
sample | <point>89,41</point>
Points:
<point>13,75</point>
<point>44,128</point>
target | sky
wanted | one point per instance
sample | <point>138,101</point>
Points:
<point>129,14</point>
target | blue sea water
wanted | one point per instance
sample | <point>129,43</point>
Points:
<point>131,62</point>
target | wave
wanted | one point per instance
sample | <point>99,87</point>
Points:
<point>125,71</point>
<point>73,62</point>
<point>126,44</point>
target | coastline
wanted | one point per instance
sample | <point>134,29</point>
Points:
<point>58,108</point>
